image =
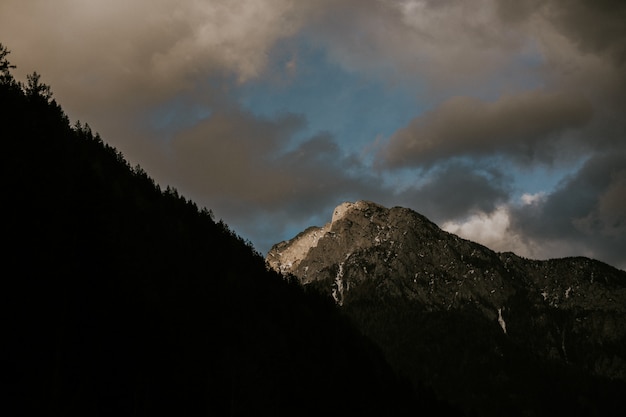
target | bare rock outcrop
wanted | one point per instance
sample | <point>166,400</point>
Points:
<point>572,310</point>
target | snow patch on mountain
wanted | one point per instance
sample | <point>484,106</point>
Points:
<point>501,320</point>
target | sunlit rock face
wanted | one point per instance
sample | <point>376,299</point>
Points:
<point>286,256</point>
<point>404,253</point>
<point>562,309</point>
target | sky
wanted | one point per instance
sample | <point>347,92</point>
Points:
<point>502,121</point>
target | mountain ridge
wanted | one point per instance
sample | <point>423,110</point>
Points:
<point>288,256</point>
<point>386,265</point>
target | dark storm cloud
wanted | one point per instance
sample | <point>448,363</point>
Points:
<point>595,26</point>
<point>458,189</point>
<point>238,156</point>
<point>524,126</point>
<point>586,214</point>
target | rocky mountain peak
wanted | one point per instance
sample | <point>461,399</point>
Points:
<point>370,254</point>
<point>360,216</point>
<point>357,208</point>
<point>287,256</point>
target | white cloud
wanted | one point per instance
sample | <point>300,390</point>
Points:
<point>492,230</point>
<point>530,199</point>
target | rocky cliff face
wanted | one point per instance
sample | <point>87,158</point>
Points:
<point>384,265</point>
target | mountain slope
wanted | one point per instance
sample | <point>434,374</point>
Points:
<point>123,299</point>
<point>493,332</point>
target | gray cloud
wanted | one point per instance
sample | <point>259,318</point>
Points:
<point>524,126</point>
<point>586,215</point>
<point>457,190</point>
<point>238,156</point>
<point>132,53</point>
<point>450,45</point>
<point>594,26</point>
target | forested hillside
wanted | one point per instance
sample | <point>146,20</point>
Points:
<point>121,298</point>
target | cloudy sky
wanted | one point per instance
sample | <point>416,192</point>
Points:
<point>503,121</point>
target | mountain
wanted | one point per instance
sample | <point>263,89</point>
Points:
<point>119,298</point>
<point>495,333</point>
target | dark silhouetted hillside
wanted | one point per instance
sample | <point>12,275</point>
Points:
<point>120,298</point>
